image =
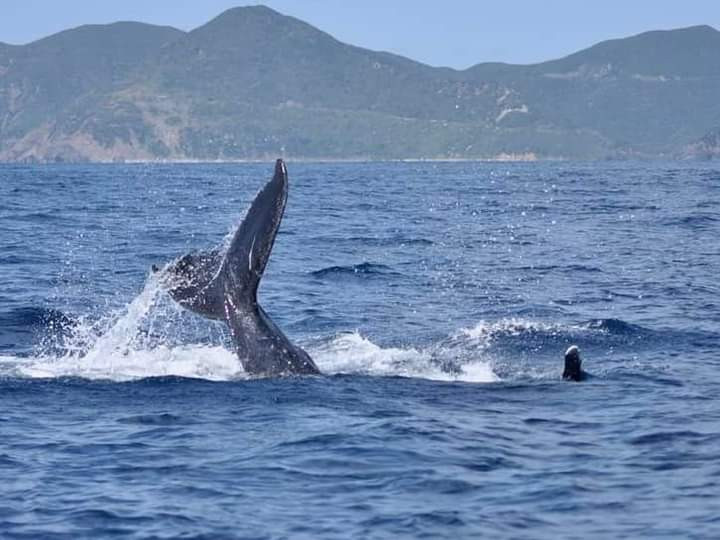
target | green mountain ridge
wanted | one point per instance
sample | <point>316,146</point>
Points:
<point>254,84</point>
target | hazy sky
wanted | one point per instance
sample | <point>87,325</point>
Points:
<point>456,33</point>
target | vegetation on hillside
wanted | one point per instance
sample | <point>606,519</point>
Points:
<point>253,83</point>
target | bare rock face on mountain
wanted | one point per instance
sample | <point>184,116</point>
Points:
<point>707,147</point>
<point>253,83</point>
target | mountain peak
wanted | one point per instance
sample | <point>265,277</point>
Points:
<point>258,9</point>
<point>696,29</point>
<point>128,32</point>
<point>256,28</point>
<point>679,52</point>
<point>247,15</point>
<point>683,35</point>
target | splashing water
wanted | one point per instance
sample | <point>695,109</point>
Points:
<point>353,353</point>
<point>145,339</point>
<point>134,343</point>
<point>149,337</point>
<point>139,341</point>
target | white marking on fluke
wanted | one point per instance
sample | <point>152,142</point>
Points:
<point>252,247</point>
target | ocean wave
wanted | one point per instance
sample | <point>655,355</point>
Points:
<point>694,221</point>
<point>615,326</point>
<point>383,241</point>
<point>563,268</point>
<point>22,327</point>
<point>365,269</point>
<point>36,317</point>
<point>592,330</point>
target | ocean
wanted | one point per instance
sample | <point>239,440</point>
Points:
<point>437,298</point>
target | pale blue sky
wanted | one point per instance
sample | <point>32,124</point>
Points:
<point>456,33</point>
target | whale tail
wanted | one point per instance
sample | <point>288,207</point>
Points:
<point>205,282</point>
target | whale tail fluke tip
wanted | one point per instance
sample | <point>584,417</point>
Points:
<point>280,167</point>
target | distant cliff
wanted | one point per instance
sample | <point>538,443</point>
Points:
<point>255,84</point>
<point>707,147</point>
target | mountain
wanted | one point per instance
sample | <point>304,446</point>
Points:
<point>707,147</point>
<point>254,84</point>
<point>46,87</point>
<point>645,95</point>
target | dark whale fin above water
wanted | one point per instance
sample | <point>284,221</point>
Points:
<point>200,281</point>
<point>252,243</point>
<point>193,282</point>
<point>222,284</point>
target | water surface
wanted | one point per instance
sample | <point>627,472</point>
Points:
<point>437,298</point>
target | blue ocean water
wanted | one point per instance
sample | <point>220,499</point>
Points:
<point>437,298</point>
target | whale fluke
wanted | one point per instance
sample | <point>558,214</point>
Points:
<point>222,284</point>
<point>194,282</point>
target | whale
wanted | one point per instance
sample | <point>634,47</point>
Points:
<point>222,284</point>
<point>573,370</point>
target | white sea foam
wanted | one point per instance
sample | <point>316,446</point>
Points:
<point>213,363</point>
<point>145,339</point>
<point>353,353</point>
<point>137,342</point>
<point>484,331</point>
<point>117,347</point>
<point>344,354</point>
